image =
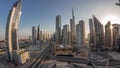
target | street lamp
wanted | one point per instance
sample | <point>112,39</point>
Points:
<point>118,4</point>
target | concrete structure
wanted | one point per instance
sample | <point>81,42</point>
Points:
<point>12,29</point>
<point>21,56</point>
<point>38,32</point>
<point>34,35</point>
<point>92,34</point>
<point>99,34</point>
<point>73,29</point>
<point>108,36</point>
<point>58,30</point>
<point>80,33</point>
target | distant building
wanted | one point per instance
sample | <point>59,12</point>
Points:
<point>34,35</point>
<point>12,29</point>
<point>58,30</point>
<point>99,34</point>
<point>41,35</point>
<point>92,34</point>
<point>44,36</point>
<point>108,36</point>
<point>69,38</point>
<point>73,29</point>
<point>80,32</point>
<point>38,32</point>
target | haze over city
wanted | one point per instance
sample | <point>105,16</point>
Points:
<point>43,12</point>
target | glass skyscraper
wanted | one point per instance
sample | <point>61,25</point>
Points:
<point>12,29</point>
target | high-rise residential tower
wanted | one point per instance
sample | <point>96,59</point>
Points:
<point>34,35</point>
<point>41,35</point>
<point>58,30</point>
<point>92,34</point>
<point>38,32</point>
<point>80,33</point>
<point>73,30</point>
<point>66,34</point>
<point>99,34</point>
<point>12,29</point>
<point>116,35</point>
<point>108,36</point>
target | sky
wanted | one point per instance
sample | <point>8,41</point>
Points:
<point>44,12</point>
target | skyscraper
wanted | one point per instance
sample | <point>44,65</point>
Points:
<point>108,36</point>
<point>34,35</point>
<point>58,30</point>
<point>12,29</point>
<point>116,33</point>
<point>38,32</point>
<point>66,34</point>
<point>80,33</point>
<point>73,30</point>
<point>41,35</point>
<point>92,34</point>
<point>99,33</point>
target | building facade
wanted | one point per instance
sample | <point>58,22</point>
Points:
<point>12,29</point>
<point>92,34</point>
<point>66,34</point>
<point>99,34</point>
<point>58,30</point>
<point>80,33</point>
<point>34,35</point>
<point>116,34</point>
<point>38,32</point>
<point>108,36</point>
<point>73,29</point>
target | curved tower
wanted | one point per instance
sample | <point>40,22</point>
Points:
<point>12,29</point>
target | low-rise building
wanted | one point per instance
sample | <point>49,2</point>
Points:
<point>21,56</point>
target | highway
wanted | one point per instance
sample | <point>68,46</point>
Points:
<point>36,63</point>
<point>85,61</point>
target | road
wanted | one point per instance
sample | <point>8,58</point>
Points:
<point>36,62</point>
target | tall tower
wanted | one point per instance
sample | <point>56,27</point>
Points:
<point>108,36</point>
<point>58,30</point>
<point>73,30</point>
<point>99,33</point>
<point>34,37</point>
<point>92,34</point>
<point>80,32</point>
<point>66,34</point>
<point>12,29</point>
<point>116,35</point>
<point>41,35</point>
<point>38,32</point>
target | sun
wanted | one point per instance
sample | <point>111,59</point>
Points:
<point>111,27</point>
<point>113,20</point>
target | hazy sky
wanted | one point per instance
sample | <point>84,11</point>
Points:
<point>43,13</point>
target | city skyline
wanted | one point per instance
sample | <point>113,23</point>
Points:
<point>51,37</point>
<point>46,16</point>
